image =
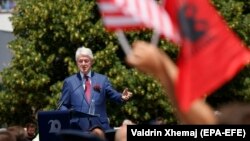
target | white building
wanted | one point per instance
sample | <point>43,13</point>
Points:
<point>5,37</point>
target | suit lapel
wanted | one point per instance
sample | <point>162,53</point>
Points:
<point>93,81</point>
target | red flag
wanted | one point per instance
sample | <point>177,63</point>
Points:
<point>210,54</point>
<point>134,14</point>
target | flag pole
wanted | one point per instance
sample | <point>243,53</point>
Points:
<point>123,41</point>
<point>155,38</point>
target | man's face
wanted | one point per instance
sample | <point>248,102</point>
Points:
<point>31,131</point>
<point>84,63</point>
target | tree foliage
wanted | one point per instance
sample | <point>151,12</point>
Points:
<point>47,35</point>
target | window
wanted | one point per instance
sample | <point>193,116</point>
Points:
<point>7,6</point>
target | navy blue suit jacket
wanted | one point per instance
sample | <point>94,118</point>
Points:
<point>73,98</point>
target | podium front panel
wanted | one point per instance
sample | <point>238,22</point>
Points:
<point>51,122</point>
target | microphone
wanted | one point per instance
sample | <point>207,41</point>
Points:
<point>66,96</point>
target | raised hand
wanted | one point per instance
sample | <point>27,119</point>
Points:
<point>126,94</point>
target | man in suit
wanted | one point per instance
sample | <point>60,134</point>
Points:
<point>74,95</point>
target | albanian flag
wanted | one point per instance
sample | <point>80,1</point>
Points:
<point>210,53</point>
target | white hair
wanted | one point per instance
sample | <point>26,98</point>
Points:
<point>84,51</point>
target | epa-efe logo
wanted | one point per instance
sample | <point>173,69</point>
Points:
<point>55,126</point>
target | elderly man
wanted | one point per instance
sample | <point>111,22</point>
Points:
<point>86,89</point>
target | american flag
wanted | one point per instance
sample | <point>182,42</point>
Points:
<point>114,18</point>
<point>136,14</point>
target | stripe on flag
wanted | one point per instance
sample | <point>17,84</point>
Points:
<point>135,14</point>
<point>114,18</point>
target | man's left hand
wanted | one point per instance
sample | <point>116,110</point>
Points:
<point>126,94</point>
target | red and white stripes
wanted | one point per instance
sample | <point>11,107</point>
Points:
<point>114,18</point>
<point>134,14</point>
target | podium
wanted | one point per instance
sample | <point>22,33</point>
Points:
<point>52,122</point>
